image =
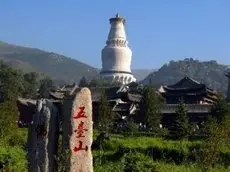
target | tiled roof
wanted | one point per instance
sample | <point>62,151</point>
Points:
<point>185,83</point>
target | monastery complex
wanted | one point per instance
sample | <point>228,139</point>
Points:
<point>125,99</point>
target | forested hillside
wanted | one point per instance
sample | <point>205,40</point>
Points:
<point>60,68</point>
<point>209,72</point>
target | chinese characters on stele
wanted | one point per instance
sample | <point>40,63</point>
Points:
<point>80,129</point>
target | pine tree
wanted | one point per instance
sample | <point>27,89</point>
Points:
<point>46,86</point>
<point>150,109</point>
<point>31,84</point>
<point>181,123</point>
<point>104,114</point>
<point>220,109</point>
<point>11,83</point>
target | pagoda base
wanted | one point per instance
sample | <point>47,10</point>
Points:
<point>123,78</point>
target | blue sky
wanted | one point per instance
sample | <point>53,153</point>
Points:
<point>158,30</point>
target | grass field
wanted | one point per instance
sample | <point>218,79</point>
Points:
<point>150,154</point>
<point>125,154</point>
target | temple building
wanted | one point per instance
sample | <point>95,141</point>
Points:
<point>125,100</point>
<point>116,56</point>
<point>189,91</point>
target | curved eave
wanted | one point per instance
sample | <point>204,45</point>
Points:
<point>167,88</point>
<point>183,94</point>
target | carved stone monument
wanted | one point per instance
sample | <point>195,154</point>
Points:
<point>78,129</point>
<point>42,138</point>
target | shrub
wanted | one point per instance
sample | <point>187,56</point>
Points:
<point>132,127</point>
<point>17,139</point>
<point>138,162</point>
<point>12,159</point>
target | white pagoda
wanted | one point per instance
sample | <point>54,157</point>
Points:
<point>116,55</point>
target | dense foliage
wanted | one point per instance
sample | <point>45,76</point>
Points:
<point>218,128</point>
<point>104,121</point>
<point>150,109</point>
<point>181,123</point>
<point>221,109</point>
<point>11,82</point>
<point>12,139</point>
<point>83,82</point>
<point>14,83</point>
<point>46,85</point>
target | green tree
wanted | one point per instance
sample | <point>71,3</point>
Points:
<point>104,123</point>
<point>220,109</point>
<point>132,127</point>
<point>93,83</point>
<point>150,109</point>
<point>46,86</point>
<point>104,114</point>
<point>218,137</point>
<point>181,123</point>
<point>31,84</point>
<point>11,83</point>
<point>83,82</point>
<point>218,132</point>
<point>8,118</point>
<point>12,139</point>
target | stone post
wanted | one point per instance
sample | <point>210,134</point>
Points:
<point>78,130</point>
<point>43,137</point>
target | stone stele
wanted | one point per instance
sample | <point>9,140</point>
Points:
<point>78,130</point>
<point>42,138</point>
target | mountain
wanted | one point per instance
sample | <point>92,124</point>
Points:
<point>62,69</point>
<point>66,70</point>
<point>208,72</point>
<point>59,67</point>
<point>140,74</point>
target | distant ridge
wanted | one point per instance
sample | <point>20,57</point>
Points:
<point>59,67</point>
<point>63,69</point>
